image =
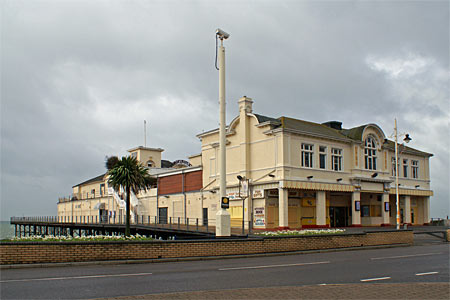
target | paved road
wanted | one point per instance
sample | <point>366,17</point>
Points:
<point>417,264</point>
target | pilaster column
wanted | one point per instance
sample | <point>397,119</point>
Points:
<point>407,210</point>
<point>356,215</point>
<point>385,214</point>
<point>426,210</point>
<point>321,213</point>
<point>283,211</point>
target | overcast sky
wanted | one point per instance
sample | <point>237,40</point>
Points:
<point>79,77</point>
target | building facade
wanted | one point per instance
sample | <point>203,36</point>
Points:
<point>281,173</point>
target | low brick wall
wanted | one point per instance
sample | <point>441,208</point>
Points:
<point>53,252</point>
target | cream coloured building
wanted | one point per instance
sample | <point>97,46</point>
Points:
<point>300,174</point>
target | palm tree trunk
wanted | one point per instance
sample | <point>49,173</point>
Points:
<point>127,222</point>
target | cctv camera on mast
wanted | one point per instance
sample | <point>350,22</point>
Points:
<point>222,216</point>
<point>222,34</point>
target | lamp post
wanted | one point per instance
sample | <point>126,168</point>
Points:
<point>243,179</point>
<point>407,139</point>
<point>222,216</point>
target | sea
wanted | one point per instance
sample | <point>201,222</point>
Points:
<point>6,230</point>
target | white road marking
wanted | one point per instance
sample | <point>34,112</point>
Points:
<point>427,273</point>
<point>75,277</point>
<point>375,279</point>
<point>275,266</point>
<point>323,284</point>
<point>403,256</point>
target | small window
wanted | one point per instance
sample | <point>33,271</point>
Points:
<point>322,157</point>
<point>405,168</point>
<point>307,155</point>
<point>415,168</point>
<point>150,164</point>
<point>102,189</point>
<point>393,166</point>
<point>336,159</point>
<point>370,153</point>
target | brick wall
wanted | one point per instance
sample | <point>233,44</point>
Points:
<point>49,252</point>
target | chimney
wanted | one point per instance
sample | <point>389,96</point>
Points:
<point>245,104</point>
<point>333,124</point>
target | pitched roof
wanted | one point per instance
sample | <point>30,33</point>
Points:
<point>311,128</point>
<point>354,133</point>
<point>317,129</point>
<point>95,179</point>
<point>262,119</point>
<point>405,149</point>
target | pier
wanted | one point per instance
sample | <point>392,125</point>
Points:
<point>176,228</point>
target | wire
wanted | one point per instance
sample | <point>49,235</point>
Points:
<point>216,55</point>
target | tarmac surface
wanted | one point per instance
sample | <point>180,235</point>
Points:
<point>334,291</point>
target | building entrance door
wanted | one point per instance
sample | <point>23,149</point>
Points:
<point>205,216</point>
<point>162,215</point>
<point>338,216</point>
<point>103,215</point>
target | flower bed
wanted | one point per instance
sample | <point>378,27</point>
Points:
<point>89,238</point>
<point>301,232</point>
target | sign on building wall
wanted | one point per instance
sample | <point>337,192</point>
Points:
<point>258,193</point>
<point>259,216</point>
<point>273,193</point>
<point>244,189</point>
<point>233,195</point>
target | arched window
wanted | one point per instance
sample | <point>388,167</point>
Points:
<point>150,164</point>
<point>370,153</point>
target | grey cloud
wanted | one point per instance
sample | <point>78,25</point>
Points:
<point>79,78</point>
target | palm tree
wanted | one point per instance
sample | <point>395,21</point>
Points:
<point>131,176</point>
<point>110,162</point>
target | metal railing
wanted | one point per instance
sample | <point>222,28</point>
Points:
<point>180,223</point>
<point>84,196</point>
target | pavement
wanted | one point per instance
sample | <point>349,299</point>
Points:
<point>333,291</point>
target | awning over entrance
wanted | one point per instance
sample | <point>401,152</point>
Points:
<point>411,192</point>
<point>99,206</point>
<point>301,185</point>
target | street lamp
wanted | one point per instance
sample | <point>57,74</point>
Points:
<point>407,139</point>
<point>245,188</point>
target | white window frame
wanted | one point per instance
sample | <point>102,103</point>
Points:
<point>405,167</point>
<point>393,166</point>
<point>370,153</point>
<point>336,159</point>
<point>307,155</point>
<point>324,154</point>
<point>415,169</point>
